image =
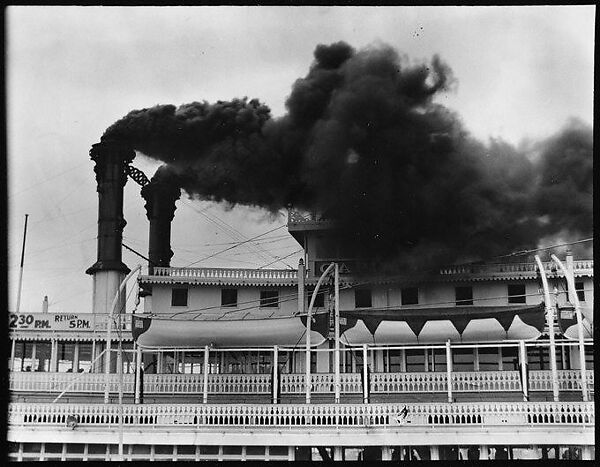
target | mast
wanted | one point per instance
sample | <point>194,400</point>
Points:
<point>22,262</point>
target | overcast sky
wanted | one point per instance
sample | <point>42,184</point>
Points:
<point>72,71</point>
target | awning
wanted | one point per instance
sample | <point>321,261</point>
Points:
<point>464,323</point>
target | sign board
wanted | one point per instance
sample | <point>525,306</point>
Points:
<point>345,267</point>
<point>52,321</point>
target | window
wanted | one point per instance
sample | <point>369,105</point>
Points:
<point>580,292</point>
<point>538,358</point>
<point>488,359</point>
<point>269,298</point>
<point>410,296</point>
<point>415,360</point>
<point>362,298</point>
<point>510,358</point>
<point>179,297</point>
<point>516,293</point>
<point>229,297</point>
<point>462,360</point>
<point>464,295</point>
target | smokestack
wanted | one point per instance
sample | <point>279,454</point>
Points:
<point>160,196</point>
<point>110,159</point>
<point>45,304</point>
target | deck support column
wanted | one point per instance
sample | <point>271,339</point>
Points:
<point>76,357</point>
<point>337,334</point>
<point>523,362</point>
<point>13,344</point>
<point>485,452</point>
<point>205,381</point>
<point>93,365</point>
<point>54,355</point>
<point>275,374</point>
<point>435,453</point>
<point>550,320</point>
<point>33,355</point>
<point>365,376</point>
<point>449,369</point>
<point>574,299</point>
<point>386,453</point>
<point>138,373</point>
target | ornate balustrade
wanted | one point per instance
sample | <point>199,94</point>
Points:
<point>568,380</point>
<point>228,274</point>
<point>58,382</point>
<point>287,415</point>
<point>322,383</point>
<point>581,266</point>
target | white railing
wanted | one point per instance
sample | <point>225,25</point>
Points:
<point>353,415</point>
<point>578,266</point>
<point>228,273</point>
<point>568,380</point>
<point>408,382</point>
<point>58,382</point>
<point>217,384</point>
<point>322,383</point>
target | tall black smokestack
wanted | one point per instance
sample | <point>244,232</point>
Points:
<point>110,159</point>
<point>160,195</point>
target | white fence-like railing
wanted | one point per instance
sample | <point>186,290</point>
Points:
<point>578,266</point>
<point>228,273</point>
<point>351,415</point>
<point>321,383</point>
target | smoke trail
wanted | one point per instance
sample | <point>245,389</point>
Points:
<point>364,143</point>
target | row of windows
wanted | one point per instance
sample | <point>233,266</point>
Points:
<point>363,296</point>
<point>229,298</point>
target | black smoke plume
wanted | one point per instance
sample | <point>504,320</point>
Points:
<point>364,143</point>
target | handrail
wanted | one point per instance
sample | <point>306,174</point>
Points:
<point>293,383</point>
<point>250,416</point>
<point>227,273</point>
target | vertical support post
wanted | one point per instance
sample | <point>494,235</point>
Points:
<point>275,374</point>
<point>485,452</point>
<point>33,356</point>
<point>307,381</point>
<point>76,357</point>
<point>301,281</point>
<point>426,353</point>
<point>138,373</point>
<point>386,453</point>
<point>205,381</point>
<point>550,319</point>
<point>523,362</point>
<point>435,453</point>
<point>365,376</point>
<point>337,334</point>
<point>12,354</point>
<point>93,366</point>
<point>574,299</point>
<point>159,362</point>
<point>476,358</point>
<point>449,369</point>
<point>500,362</point>
<point>403,360</point>
<point>120,373</point>
<point>53,355</point>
